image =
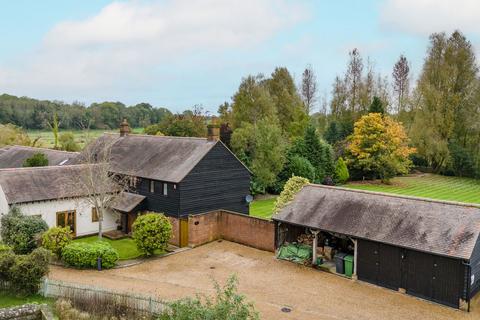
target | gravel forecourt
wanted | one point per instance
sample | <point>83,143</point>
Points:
<point>269,283</point>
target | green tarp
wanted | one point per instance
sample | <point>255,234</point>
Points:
<point>295,252</point>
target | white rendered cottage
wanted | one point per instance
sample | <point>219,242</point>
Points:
<point>42,191</point>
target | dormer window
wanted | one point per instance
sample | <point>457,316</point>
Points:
<point>152,186</point>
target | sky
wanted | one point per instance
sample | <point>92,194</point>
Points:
<point>180,53</point>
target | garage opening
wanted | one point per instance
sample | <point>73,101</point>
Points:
<point>327,251</point>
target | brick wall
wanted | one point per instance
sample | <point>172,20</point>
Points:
<point>175,240</point>
<point>243,229</point>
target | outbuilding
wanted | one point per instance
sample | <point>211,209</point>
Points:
<point>426,248</point>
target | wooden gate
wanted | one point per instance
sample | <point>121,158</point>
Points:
<point>183,232</point>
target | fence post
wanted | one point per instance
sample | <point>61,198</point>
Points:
<point>150,305</point>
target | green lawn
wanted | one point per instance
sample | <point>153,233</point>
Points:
<point>262,208</point>
<point>428,186</point>
<point>81,136</point>
<point>125,247</point>
<point>10,300</point>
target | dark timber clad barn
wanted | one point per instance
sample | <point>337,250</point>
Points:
<point>429,249</point>
<point>178,176</point>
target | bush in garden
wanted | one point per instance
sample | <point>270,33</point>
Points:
<point>85,255</point>
<point>57,238</point>
<point>292,187</point>
<point>4,248</point>
<point>341,171</point>
<point>151,231</point>
<point>7,259</point>
<point>228,304</point>
<point>37,160</point>
<point>20,232</point>
<point>27,271</point>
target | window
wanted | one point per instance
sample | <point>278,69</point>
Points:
<point>67,219</point>
<point>152,186</point>
<point>94,215</point>
<point>165,189</point>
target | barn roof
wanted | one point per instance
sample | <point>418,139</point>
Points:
<point>155,157</point>
<point>448,229</point>
<point>14,156</point>
<point>40,183</point>
<point>127,201</point>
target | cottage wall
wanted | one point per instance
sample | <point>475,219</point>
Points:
<point>84,225</point>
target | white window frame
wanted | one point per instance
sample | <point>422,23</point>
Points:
<point>165,189</point>
<point>152,186</point>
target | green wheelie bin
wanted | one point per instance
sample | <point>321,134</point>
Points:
<point>348,265</point>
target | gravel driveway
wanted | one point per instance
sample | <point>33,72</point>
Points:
<point>271,284</point>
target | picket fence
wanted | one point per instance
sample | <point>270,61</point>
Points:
<point>75,292</point>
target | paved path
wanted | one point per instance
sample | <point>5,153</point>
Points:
<point>269,283</point>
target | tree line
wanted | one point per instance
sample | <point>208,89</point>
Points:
<point>31,113</point>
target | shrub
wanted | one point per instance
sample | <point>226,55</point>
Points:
<point>341,171</point>
<point>37,160</point>
<point>7,259</point>
<point>85,255</point>
<point>4,248</point>
<point>300,167</point>
<point>20,232</point>
<point>57,238</point>
<point>292,187</point>
<point>27,271</point>
<point>151,231</point>
<point>67,142</point>
<point>228,304</point>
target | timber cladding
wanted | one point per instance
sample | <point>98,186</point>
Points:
<point>239,228</point>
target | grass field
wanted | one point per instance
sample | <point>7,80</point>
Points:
<point>125,247</point>
<point>81,136</point>
<point>11,300</point>
<point>428,186</point>
<point>262,208</point>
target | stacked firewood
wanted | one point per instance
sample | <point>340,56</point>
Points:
<point>306,239</point>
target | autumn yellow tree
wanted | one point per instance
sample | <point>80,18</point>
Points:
<point>378,148</point>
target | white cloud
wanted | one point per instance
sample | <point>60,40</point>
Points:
<point>423,17</point>
<point>126,40</point>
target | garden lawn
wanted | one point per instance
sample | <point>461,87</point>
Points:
<point>428,186</point>
<point>262,208</point>
<point>125,247</point>
<point>10,300</point>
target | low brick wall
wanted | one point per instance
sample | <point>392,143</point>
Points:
<point>254,232</point>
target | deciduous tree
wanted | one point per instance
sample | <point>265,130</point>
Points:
<point>378,148</point>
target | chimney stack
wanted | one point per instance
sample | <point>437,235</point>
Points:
<point>124,128</point>
<point>213,130</point>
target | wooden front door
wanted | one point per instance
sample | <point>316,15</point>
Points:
<point>67,219</point>
<point>183,232</point>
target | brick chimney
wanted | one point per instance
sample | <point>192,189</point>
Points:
<point>213,130</point>
<point>124,128</point>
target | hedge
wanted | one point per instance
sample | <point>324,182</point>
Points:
<point>85,255</point>
<point>24,273</point>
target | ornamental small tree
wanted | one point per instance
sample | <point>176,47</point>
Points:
<point>37,160</point>
<point>57,238</point>
<point>292,187</point>
<point>151,231</point>
<point>341,171</point>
